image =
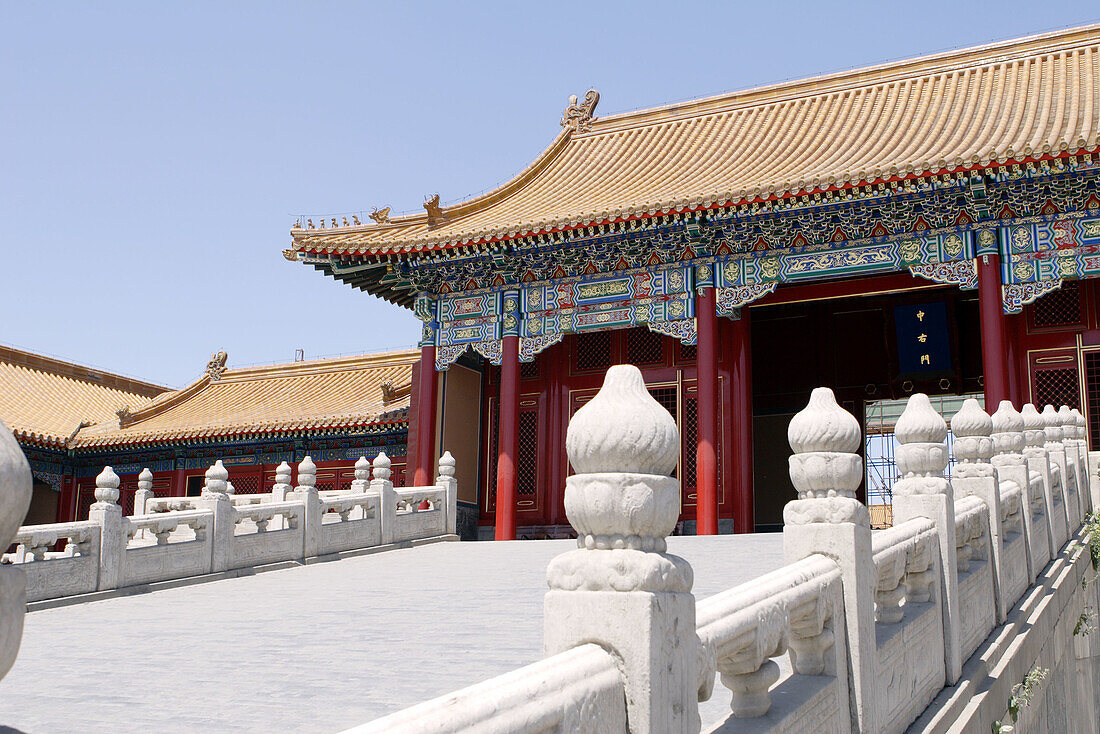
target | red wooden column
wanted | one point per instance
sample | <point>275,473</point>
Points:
<point>508,439</point>
<point>425,418</point>
<point>706,452</point>
<point>741,391</point>
<point>994,341</point>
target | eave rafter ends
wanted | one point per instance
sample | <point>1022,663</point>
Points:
<point>852,156</point>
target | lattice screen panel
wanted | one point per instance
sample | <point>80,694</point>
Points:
<point>84,499</point>
<point>1057,387</point>
<point>688,352</point>
<point>1092,388</point>
<point>527,460</point>
<point>667,397</point>
<point>594,350</point>
<point>494,451</point>
<point>247,484</point>
<point>528,370</point>
<point>645,347</point>
<point>1059,308</point>
<point>690,439</point>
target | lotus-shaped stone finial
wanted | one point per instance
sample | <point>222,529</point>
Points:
<point>623,429</point>
<point>1069,423</point>
<point>1053,428</point>
<point>307,473</point>
<point>446,465</point>
<point>145,479</point>
<point>971,420</point>
<point>283,473</point>
<point>920,423</point>
<point>106,485</point>
<point>1033,425</point>
<point>381,467</point>
<point>823,426</point>
<point>1007,419</point>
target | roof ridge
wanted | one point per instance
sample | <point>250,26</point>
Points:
<point>79,372</point>
<point>839,81</point>
<point>320,365</point>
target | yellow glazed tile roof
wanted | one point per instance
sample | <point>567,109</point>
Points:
<point>44,400</point>
<point>318,394</point>
<point>1014,100</point>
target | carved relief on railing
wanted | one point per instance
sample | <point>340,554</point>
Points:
<point>35,542</point>
<point>970,532</point>
<point>742,629</point>
<point>904,568</point>
<point>162,525</point>
<point>262,515</point>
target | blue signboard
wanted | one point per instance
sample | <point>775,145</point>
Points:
<point>924,341</point>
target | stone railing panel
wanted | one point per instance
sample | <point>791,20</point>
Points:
<point>253,544</point>
<point>579,690</point>
<point>977,595</point>
<point>166,546</point>
<point>350,521</point>
<point>1014,554</point>
<point>413,522</point>
<point>797,608</point>
<point>49,573</point>
<point>909,627</point>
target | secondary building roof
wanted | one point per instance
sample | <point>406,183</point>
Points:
<point>1011,101</point>
<point>45,400</point>
<point>324,394</point>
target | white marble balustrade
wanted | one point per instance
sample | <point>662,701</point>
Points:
<point>178,537</point>
<point>884,630</point>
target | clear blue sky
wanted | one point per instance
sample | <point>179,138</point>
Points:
<point>153,155</point>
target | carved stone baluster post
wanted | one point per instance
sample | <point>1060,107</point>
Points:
<point>1010,437</point>
<point>1056,453</point>
<point>828,519</point>
<point>1073,481</point>
<point>620,589</point>
<point>361,482</point>
<point>1081,434</point>
<point>306,492</point>
<point>144,491</point>
<point>387,499</point>
<point>215,498</point>
<point>447,481</point>
<point>1040,468</point>
<point>974,476</point>
<point>112,542</point>
<point>923,491</point>
<point>279,492</point>
<point>15,496</point>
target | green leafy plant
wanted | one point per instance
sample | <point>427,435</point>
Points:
<point>1022,693</point>
<point>1085,622</point>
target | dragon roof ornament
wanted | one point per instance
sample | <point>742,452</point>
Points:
<point>578,115</point>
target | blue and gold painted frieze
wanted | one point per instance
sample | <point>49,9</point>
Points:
<point>1067,247</point>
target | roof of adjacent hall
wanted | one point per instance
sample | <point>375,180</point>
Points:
<point>44,400</point>
<point>1012,100</point>
<point>61,404</point>
<point>337,394</point>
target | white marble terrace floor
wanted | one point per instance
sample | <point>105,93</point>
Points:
<point>312,649</point>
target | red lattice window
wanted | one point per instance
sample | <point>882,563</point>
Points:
<point>645,347</point>
<point>667,397</point>
<point>688,353</point>
<point>594,350</point>
<point>491,457</point>
<point>1092,388</point>
<point>528,370</point>
<point>1059,308</point>
<point>690,438</point>
<point>1057,387</point>
<point>84,499</point>
<point>247,484</point>
<point>527,460</point>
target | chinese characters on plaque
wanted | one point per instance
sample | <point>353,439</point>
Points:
<point>924,342</point>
